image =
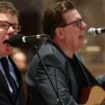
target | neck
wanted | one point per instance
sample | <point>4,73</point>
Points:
<point>67,51</point>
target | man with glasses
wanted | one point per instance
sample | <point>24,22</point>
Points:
<point>64,77</point>
<point>11,92</point>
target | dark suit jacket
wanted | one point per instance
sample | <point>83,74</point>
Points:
<point>5,95</point>
<point>59,69</point>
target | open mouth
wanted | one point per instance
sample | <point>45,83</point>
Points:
<point>81,37</point>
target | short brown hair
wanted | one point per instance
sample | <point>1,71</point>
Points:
<point>8,7</point>
<point>52,17</point>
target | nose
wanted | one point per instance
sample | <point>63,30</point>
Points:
<point>11,30</point>
<point>84,25</point>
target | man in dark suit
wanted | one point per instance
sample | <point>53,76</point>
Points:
<point>63,76</point>
<point>11,92</point>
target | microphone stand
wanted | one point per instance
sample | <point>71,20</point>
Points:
<point>59,101</point>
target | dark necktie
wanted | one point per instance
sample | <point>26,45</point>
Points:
<point>5,65</point>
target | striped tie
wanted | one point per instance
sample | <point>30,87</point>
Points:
<point>5,65</point>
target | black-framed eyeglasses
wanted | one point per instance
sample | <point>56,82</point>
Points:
<point>77,23</point>
<point>5,25</point>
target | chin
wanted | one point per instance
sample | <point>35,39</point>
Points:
<point>8,51</point>
<point>82,45</point>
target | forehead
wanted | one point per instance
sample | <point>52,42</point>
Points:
<point>71,15</point>
<point>8,17</point>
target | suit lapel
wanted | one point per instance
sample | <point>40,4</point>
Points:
<point>71,77</point>
<point>17,73</point>
<point>19,80</point>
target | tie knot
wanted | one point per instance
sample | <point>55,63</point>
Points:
<point>4,63</point>
<point>3,59</point>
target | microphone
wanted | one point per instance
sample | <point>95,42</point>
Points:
<point>20,40</point>
<point>95,31</point>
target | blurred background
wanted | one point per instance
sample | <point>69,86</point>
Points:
<point>93,12</point>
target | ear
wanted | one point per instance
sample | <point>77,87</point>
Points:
<point>59,32</point>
